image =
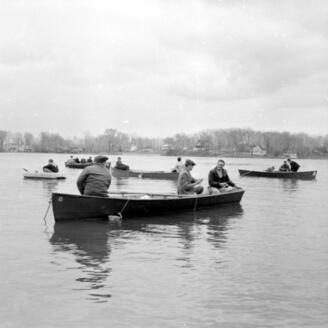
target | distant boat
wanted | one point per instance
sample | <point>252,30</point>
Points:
<point>78,165</point>
<point>117,173</point>
<point>43,175</point>
<point>302,175</point>
<point>67,206</point>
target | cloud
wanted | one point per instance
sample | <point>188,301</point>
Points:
<point>97,63</point>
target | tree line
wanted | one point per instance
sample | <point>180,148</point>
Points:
<point>231,142</point>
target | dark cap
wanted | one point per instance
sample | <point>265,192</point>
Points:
<point>189,162</point>
<point>100,159</point>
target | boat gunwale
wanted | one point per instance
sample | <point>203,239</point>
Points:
<point>164,196</point>
<point>300,175</point>
<point>280,172</point>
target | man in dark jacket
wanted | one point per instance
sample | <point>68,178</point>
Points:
<point>95,180</point>
<point>51,167</point>
<point>218,178</point>
<point>293,165</point>
<point>120,165</point>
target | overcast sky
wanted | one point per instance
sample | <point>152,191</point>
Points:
<point>160,67</point>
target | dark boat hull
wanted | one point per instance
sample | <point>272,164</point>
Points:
<point>66,206</point>
<point>144,174</point>
<point>305,175</point>
<point>77,165</point>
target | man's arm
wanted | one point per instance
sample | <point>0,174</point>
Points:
<point>81,180</point>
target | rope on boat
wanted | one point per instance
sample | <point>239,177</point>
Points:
<point>44,218</point>
<point>195,207</point>
<point>123,208</point>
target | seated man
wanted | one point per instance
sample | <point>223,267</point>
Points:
<point>119,165</point>
<point>51,167</point>
<point>218,179</point>
<point>284,167</point>
<point>95,179</point>
<point>89,160</point>
<point>186,183</point>
<point>294,166</point>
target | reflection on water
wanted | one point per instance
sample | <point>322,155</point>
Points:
<point>91,242</point>
<point>88,242</point>
<point>264,263</point>
<point>289,185</point>
<point>49,186</point>
<point>292,185</point>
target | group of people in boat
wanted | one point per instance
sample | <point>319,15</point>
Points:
<point>96,179</point>
<point>74,160</point>
<point>287,166</point>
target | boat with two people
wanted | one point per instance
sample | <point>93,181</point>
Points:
<point>302,175</point>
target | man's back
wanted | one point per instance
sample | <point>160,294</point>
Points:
<point>94,181</point>
<point>294,166</point>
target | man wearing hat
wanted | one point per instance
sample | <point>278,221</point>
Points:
<point>186,183</point>
<point>51,167</point>
<point>95,180</point>
<point>294,166</point>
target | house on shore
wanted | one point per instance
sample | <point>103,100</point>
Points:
<point>259,151</point>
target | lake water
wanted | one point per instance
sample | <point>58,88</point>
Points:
<point>263,263</point>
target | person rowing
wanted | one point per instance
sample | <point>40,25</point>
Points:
<point>51,167</point>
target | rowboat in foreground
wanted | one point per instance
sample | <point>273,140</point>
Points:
<point>43,176</point>
<point>77,165</point>
<point>117,173</point>
<point>67,206</point>
<point>303,175</point>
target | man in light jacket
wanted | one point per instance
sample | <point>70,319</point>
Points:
<point>95,180</point>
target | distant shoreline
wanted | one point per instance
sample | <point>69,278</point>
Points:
<point>175,155</point>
